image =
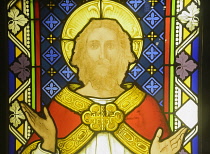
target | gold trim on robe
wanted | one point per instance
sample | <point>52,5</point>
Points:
<point>73,101</point>
<point>70,144</point>
<point>123,105</point>
<point>129,100</point>
<point>132,140</point>
<point>76,140</point>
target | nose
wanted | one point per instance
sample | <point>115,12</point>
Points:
<point>102,54</point>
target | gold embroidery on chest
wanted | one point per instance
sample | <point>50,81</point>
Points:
<point>73,101</point>
<point>130,99</point>
<point>103,117</point>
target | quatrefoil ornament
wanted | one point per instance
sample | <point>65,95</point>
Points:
<point>103,117</point>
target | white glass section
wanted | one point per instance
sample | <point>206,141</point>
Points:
<point>188,114</point>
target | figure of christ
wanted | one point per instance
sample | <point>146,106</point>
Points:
<point>102,55</point>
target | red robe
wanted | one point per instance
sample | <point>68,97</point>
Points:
<point>145,119</point>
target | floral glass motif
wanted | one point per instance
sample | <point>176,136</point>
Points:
<point>67,5</point>
<point>190,16</point>
<point>136,71</point>
<point>16,115</point>
<point>185,66</point>
<point>152,18</point>
<point>135,4</point>
<point>21,68</point>
<point>16,21</point>
<point>167,70</point>
<point>51,22</point>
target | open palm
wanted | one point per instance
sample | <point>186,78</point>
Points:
<point>168,146</point>
<point>45,128</point>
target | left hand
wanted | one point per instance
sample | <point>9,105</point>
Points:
<point>44,127</point>
<point>169,146</point>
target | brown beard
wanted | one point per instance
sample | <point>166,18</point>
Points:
<point>102,77</point>
<point>103,74</point>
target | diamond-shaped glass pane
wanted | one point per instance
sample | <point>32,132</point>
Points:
<point>152,86</point>
<point>152,19</point>
<point>51,22</point>
<point>51,55</point>
<point>67,5</point>
<point>152,53</point>
<point>135,5</point>
<point>188,114</point>
<point>66,73</point>
<point>136,71</point>
<point>51,88</point>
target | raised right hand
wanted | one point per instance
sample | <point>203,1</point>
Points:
<point>168,146</point>
<point>45,128</point>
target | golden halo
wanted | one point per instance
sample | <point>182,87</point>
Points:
<point>100,9</point>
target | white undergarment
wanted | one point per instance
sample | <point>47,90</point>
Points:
<point>104,142</point>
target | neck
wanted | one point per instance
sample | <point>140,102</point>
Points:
<point>88,90</point>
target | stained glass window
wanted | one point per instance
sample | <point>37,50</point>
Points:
<point>164,37</point>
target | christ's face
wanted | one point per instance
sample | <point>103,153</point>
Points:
<point>102,44</point>
<point>104,62</point>
<point>103,59</point>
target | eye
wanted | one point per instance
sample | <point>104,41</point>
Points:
<point>110,45</point>
<point>94,44</point>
